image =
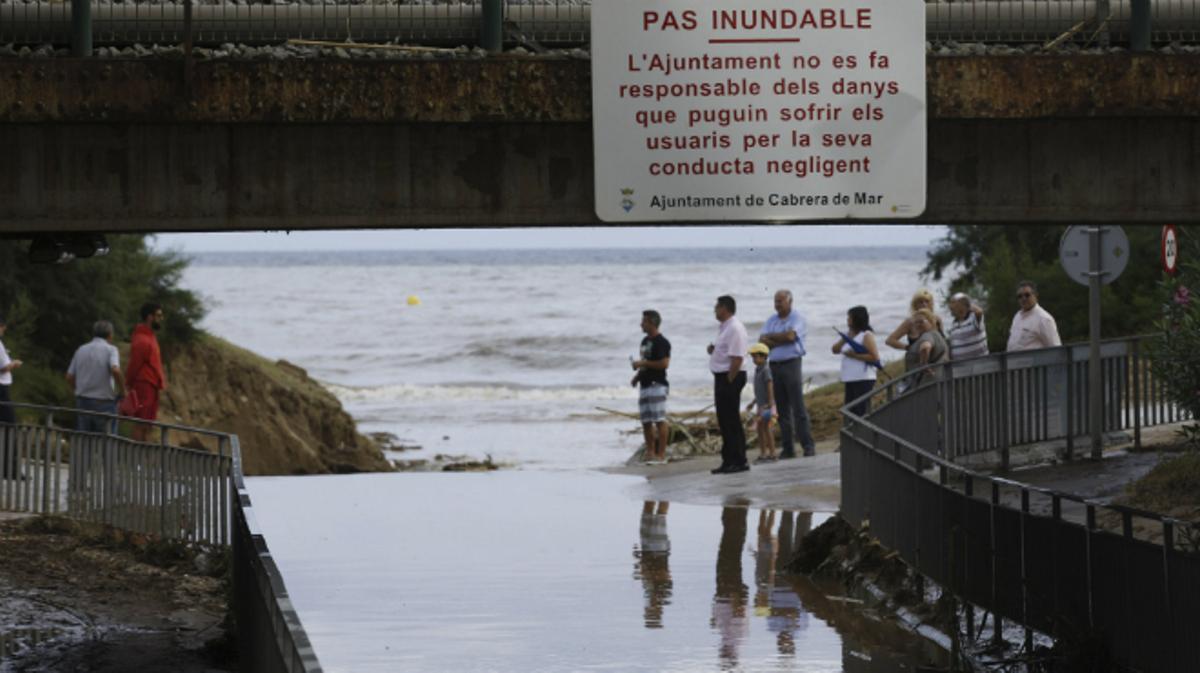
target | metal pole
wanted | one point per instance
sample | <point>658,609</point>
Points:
<point>1095,387</point>
<point>1103,14</point>
<point>81,28</point>
<point>188,39</point>
<point>1139,25</point>
<point>492,31</point>
<point>1137,393</point>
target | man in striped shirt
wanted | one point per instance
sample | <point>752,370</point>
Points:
<point>968,336</point>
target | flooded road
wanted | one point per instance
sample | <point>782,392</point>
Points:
<point>554,571</point>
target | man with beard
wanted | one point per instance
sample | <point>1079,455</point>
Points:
<point>145,378</point>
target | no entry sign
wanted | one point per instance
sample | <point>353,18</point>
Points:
<point>759,110</point>
<point>1170,249</point>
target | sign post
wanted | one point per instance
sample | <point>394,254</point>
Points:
<point>1094,256</point>
<point>759,110</point>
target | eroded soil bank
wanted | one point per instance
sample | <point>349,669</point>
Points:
<point>88,599</point>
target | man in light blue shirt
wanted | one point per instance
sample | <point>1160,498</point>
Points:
<point>95,374</point>
<point>784,332</point>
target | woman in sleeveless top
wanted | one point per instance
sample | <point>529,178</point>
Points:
<point>921,299</point>
<point>928,348</point>
<point>857,374</point>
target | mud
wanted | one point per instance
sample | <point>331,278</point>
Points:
<point>81,599</point>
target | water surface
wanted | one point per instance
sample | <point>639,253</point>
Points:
<point>552,571</point>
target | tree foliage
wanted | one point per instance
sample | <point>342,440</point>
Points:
<point>51,307</point>
<point>1177,350</point>
<point>987,262</point>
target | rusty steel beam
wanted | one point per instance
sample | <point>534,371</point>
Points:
<point>522,90</point>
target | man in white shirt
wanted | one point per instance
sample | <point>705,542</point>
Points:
<point>95,374</point>
<point>1032,326</point>
<point>8,454</point>
<point>726,355</point>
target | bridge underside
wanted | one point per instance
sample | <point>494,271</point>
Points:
<point>144,145</point>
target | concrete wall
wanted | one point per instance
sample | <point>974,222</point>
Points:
<point>144,145</point>
<point>115,177</point>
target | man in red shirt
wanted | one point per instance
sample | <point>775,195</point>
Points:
<point>145,378</point>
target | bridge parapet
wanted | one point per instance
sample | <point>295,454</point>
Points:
<point>538,89</point>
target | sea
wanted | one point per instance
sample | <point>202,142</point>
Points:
<point>522,355</point>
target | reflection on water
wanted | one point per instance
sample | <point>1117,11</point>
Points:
<point>531,571</point>
<point>653,565</point>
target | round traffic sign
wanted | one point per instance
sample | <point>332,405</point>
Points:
<point>1074,251</point>
<point>1170,249</point>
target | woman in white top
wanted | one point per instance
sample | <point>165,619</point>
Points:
<point>857,371</point>
<point>8,454</point>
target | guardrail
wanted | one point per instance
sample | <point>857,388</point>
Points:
<point>553,23</point>
<point>991,403</point>
<point>191,490</point>
<point>1055,562</point>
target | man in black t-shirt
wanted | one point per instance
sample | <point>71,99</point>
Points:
<point>651,367</point>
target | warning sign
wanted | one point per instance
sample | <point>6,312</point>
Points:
<point>775,110</point>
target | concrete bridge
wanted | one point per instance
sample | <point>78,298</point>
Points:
<point>157,145</point>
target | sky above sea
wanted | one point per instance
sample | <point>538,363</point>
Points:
<point>791,235</point>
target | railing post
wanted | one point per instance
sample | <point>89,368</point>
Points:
<point>1070,402</point>
<point>1091,596</point>
<point>945,417</point>
<point>1168,545</point>
<point>1005,412</point>
<point>1139,25</point>
<point>107,486</point>
<point>81,28</point>
<point>1025,571</point>
<point>1136,393</point>
<point>162,487</point>
<point>492,30</point>
<point>1103,16</point>
<point>998,634</point>
<point>188,40</point>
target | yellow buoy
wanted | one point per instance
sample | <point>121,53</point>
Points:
<point>413,300</point>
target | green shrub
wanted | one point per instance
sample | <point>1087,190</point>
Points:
<point>1177,350</point>
<point>51,307</point>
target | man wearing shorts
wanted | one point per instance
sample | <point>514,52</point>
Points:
<point>651,376</point>
<point>145,378</point>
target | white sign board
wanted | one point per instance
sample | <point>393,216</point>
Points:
<point>758,110</point>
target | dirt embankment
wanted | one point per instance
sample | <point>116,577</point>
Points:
<point>85,598</point>
<point>286,422</point>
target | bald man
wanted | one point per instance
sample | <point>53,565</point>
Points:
<point>784,334</point>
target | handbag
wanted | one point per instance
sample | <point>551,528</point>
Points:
<point>130,405</point>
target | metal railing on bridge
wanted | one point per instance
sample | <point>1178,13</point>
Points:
<point>988,404</point>
<point>186,487</point>
<point>552,23</point>
<point>1058,563</point>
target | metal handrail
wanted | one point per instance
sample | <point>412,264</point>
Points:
<point>1038,568</point>
<point>117,417</point>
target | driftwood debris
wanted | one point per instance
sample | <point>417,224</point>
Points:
<point>693,434</point>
